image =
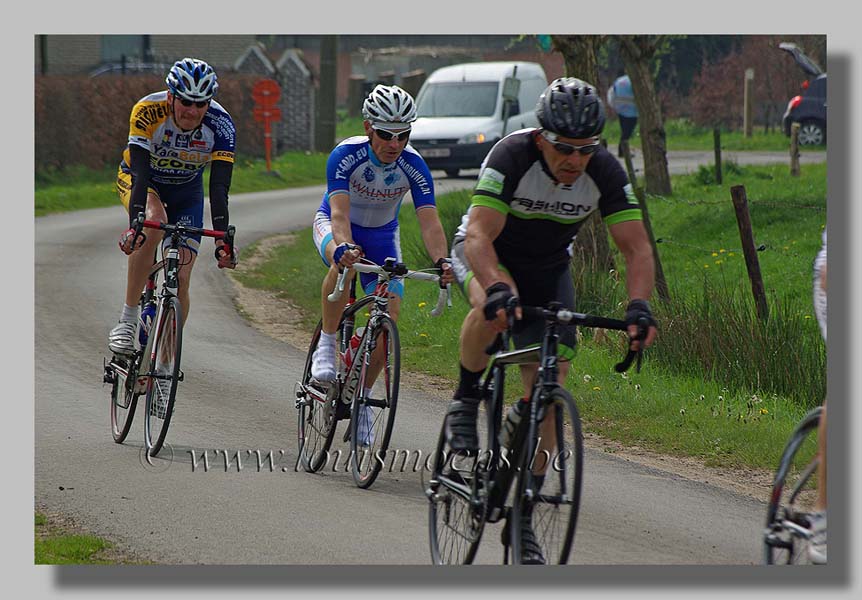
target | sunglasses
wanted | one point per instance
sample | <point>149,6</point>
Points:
<point>388,135</point>
<point>200,104</point>
<point>569,149</point>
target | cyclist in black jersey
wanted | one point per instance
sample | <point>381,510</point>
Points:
<point>536,188</point>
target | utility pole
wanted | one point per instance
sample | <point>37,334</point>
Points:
<point>324,139</point>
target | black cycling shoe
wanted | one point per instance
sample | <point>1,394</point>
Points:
<point>461,425</point>
<point>531,551</point>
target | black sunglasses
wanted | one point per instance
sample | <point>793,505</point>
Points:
<point>569,149</point>
<point>388,135</point>
<point>200,104</point>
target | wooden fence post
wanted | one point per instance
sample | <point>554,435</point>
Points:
<point>794,149</point>
<point>748,124</point>
<point>743,220</point>
<point>716,142</point>
<point>660,280</point>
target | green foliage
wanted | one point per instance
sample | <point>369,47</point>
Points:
<point>53,546</point>
<point>706,173</point>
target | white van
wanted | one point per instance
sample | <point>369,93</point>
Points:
<point>465,109</point>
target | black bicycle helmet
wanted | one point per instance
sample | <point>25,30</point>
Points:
<point>571,108</point>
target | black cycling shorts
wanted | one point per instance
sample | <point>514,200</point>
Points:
<point>536,287</point>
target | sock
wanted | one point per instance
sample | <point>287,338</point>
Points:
<point>130,314</point>
<point>368,392</point>
<point>468,385</point>
<point>327,339</point>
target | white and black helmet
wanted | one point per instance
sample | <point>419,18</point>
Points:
<point>192,79</point>
<point>572,108</point>
<point>389,104</point>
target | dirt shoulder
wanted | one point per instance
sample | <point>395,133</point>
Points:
<point>279,319</point>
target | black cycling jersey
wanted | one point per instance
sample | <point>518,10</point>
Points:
<point>542,215</point>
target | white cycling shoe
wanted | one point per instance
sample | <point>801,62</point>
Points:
<point>323,363</point>
<point>121,340</point>
<point>365,426</point>
<point>817,544</point>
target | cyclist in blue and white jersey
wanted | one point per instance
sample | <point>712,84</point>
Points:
<point>367,179</point>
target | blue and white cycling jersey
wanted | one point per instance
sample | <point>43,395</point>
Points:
<point>376,190</point>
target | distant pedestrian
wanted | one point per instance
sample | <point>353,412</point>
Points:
<point>622,98</point>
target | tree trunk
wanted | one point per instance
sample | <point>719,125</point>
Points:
<point>637,53</point>
<point>591,247</point>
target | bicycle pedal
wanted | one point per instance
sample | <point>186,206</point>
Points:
<point>181,375</point>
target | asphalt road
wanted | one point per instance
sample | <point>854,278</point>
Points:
<point>237,396</point>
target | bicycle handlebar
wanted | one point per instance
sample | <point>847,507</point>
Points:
<point>565,317</point>
<point>228,236</point>
<point>391,271</point>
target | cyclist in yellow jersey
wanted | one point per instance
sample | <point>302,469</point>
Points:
<point>173,135</point>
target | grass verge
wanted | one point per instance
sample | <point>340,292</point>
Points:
<point>60,542</point>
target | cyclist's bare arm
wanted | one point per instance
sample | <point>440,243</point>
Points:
<point>484,227</point>
<point>341,233</point>
<point>632,240</point>
<point>434,238</point>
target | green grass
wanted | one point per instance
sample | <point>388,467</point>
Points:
<point>77,188</point>
<point>676,404</point>
<point>54,545</point>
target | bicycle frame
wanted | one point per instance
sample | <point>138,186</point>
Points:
<point>386,273</point>
<point>500,480</point>
<point>170,263</point>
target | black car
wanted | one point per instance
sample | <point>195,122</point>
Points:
<point>809,108</point>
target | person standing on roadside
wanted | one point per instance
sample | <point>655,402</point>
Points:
<point>622,98</point>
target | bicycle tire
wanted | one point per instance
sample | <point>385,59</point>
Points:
<point>456,516</point>
<point>315,420</point>
<point>556,504</point>
<point>367,460</point>
<point>165,366</point>
<point>122,417</point>
<point>784,540</point>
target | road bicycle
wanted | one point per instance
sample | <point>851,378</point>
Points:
<point>788,530</point>
<point>153,370</point>
<point>360,353</point>
<point>465,492</point>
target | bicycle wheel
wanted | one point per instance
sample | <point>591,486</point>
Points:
<point>372,418</point>
<point>556,504</point>
<point>315,418</point>
<point>786,535</point>
<point>124,400</point>
<point>165,372</point>
<point>456,509</point>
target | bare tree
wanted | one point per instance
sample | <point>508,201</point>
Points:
<point>638,52</point>
<point>591,249</point>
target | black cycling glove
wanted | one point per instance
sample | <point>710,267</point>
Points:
<point>638,309</point>
<point>441,261</point>
<point>498,296</point>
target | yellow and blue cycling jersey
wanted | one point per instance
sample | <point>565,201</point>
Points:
<point>178,156</point>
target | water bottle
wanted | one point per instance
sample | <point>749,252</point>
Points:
<point>353,346</point>
<point>147,315</point>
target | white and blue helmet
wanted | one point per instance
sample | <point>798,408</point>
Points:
<point>192,79</point>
